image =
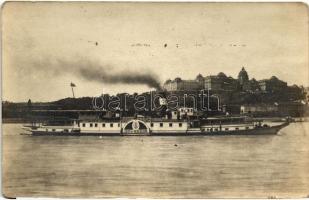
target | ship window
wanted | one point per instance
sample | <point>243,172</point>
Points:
<point>170,124</point>
<point>180,124</point>
<point>118,125</point>
<point>247,127</point>
<point>103,125</point>
<point>175,112</point>
<point>161,124</point>
<point>84,124</point>
<point>96,125</point>
<point>66,130</point>
<point>226,129</point>
<point>91,125</point>
<point>151,124</point>
<point>236,128</point>
<point>53,130</point>
<point>111,124</point>
<point>216,129</point>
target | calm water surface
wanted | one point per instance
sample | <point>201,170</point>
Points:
<point>178,167</point>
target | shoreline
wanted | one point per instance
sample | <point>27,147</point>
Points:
<point>14,120</point>
<point>271,119</point>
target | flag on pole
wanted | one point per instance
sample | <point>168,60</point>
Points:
<point>72,86</point>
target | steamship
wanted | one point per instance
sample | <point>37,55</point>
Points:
<point>147,126</point>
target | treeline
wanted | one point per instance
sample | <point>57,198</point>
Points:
<point>127,102</point>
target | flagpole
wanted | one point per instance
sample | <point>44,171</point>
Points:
<point>73,92</point>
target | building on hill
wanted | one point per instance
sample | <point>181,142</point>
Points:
<point>220,82</point>
<point>252,85</point>
<point>243,76</point>
<point>212,83</point>
<point>295,92</point>
<point>199,78</point>
<point>272,85</point>
<point>243,79</point>
<point>182,85</point>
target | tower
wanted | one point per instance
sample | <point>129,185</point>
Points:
<point>243,77</point>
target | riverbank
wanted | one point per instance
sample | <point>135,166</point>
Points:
<point>281,119</point>
<point>14,120</point>
<point>270,119</point>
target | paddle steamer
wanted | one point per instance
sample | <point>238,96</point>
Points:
<point>143,126</point>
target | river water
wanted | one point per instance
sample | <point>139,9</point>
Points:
<point>160,167</point>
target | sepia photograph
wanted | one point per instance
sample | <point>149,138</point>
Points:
<point>155,100</point>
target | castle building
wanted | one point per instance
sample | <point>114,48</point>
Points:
<point>220,82</point>
<point>243,80</point>
<point>212,83</point>
<point>243,77</point>
<point>183,85</point>
<point>273,84</point>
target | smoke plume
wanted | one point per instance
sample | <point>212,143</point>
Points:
<point>93,71</point>
<point>122,77</point>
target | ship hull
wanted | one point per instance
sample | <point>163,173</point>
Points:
<point>257,131</point>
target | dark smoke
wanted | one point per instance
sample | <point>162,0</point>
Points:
<point>93,71</point>
<point>122,77</point>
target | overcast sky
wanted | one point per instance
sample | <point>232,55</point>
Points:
<point>46,44</point>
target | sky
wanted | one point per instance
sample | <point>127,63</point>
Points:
<point>48,45</point>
